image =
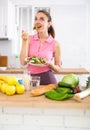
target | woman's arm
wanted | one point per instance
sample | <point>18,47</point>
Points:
<point>25,47</point>
<point>57,58</point>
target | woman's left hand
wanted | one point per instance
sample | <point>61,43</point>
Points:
<point>49,64</point>
<point>53,67</point>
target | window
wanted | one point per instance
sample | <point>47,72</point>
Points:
<point>24,19</point>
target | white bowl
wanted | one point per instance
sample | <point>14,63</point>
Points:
<point>3,68</point>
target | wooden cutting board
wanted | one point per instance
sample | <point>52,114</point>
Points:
<point>3,61</point>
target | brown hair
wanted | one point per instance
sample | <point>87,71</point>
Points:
<point>50,29</point>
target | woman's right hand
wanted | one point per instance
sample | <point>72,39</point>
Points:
<point>24,35</point>
<point>25,47</point>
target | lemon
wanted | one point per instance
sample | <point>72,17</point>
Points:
<point>12,80</point>
<point>20,88</point>
<point>0,84</point>
<point>10,90</point>
<point>3,87</point>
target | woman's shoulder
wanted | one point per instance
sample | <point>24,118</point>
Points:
<point>57,43</point>
<point>33,37</point>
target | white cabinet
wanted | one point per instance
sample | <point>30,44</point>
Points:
<point>6,19</point>
<point>1,21</point>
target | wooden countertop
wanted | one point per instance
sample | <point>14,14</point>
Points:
<point>25,100</point>
<point>63,71</point>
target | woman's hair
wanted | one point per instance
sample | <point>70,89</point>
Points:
<point>50,29</point>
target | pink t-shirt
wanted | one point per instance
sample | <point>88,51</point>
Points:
<point>45,50</point>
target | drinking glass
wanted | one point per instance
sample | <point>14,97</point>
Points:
<point>35,81</point>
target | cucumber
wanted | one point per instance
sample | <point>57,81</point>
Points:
<point>62,84</point>
<point>64,90</point>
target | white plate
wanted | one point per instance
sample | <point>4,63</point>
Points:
<point>40,65</point>
<point>3,68</point>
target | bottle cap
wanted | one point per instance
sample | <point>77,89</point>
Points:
<point>17,56</point>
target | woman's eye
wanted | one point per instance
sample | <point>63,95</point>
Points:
<point>42,18</point>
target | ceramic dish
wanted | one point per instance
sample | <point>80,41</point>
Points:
<point>3,68</point>
<point>28,61</point>
<point>39,65</point>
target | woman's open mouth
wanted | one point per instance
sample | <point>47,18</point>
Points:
<point>36,27</point>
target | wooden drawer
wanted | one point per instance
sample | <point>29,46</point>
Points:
<point>3,61</point>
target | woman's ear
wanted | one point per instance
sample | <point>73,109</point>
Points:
<point>49,24</point>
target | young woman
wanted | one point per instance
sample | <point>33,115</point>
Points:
<point>42,44</point>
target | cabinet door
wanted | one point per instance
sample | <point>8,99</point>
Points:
<point>5,21</point>
<point>3,17</point>
<point>6,18</point>
<point>1,21</point>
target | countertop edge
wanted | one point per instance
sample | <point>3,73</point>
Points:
<point>63,71</point>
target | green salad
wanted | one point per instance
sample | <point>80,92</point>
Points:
<point>37,60</point>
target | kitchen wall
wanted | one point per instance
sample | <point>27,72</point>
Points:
<point>71,21</point>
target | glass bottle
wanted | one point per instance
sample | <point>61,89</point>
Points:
<point>17,61</point>
<point>26,80</point>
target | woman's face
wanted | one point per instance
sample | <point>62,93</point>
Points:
<point>41,22</point>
